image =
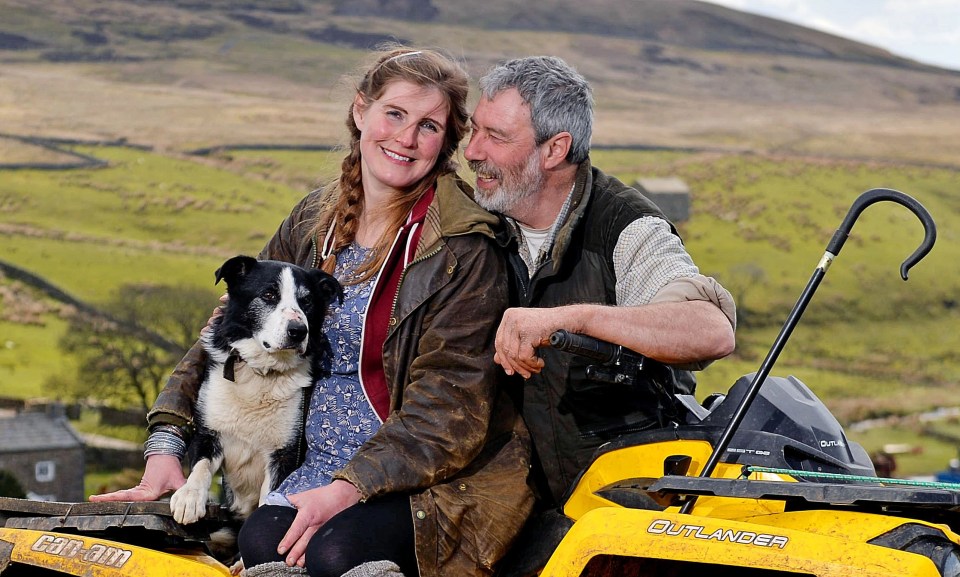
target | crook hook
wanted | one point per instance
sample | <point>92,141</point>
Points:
<point>879,194</point>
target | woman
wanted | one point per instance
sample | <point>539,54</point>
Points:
<point>421,468</point>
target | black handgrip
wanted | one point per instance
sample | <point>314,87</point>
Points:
<point>585,346</point>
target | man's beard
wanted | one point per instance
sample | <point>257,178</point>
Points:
<point>518,187</point>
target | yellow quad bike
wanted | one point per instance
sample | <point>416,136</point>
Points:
<point>760,482</point>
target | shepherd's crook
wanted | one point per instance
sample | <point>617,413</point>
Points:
<point>833,249</point>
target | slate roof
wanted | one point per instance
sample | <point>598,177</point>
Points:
<point>36,432</point>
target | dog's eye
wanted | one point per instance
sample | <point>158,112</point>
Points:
<point>306,301</point>
<point>270,296</point>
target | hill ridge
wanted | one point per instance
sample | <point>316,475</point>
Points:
<point>682,73</point>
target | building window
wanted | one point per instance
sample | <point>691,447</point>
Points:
<point>45,471</point>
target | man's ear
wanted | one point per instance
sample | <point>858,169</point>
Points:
<point>556,149</point>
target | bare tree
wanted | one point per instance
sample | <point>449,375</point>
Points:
<point>125,357</point>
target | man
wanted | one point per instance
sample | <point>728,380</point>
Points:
<point>590,255</point>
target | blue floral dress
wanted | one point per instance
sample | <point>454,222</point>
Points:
<point>340,418</point>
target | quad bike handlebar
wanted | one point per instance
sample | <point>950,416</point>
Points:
<point>594,349</point>
<point>617,364</point>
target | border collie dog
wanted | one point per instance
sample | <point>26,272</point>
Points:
<point>264,352</point>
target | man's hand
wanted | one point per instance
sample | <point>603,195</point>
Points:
<point>314,508</point>
<point>521,332</point>
<point>162,475</point>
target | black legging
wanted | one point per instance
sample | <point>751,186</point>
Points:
<point>378,530</point>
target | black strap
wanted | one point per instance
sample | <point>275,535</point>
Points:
<point>229,367</point>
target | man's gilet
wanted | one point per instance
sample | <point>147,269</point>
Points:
<point>568,415</point>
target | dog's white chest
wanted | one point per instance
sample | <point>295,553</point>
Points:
<point>257,411</point>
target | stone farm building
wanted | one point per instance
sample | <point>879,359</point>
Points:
<point>44,453</point>
<point>671,194</point>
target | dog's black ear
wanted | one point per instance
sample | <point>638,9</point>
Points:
<point>235,268</point>
<point>327,285</point>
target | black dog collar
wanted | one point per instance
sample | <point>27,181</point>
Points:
<point>229,366</point>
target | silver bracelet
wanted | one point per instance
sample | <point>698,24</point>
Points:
<point>164,442</point>
<point>174,429</point>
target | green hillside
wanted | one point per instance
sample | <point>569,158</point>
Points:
<point>759,224</point>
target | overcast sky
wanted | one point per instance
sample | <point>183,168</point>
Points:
<point>924,30</point>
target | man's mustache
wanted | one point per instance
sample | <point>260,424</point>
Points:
<point>480,167</point>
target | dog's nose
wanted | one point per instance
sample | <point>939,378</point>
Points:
<point>296,332</point>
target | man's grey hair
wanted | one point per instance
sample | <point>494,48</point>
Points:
<point>559,97</point>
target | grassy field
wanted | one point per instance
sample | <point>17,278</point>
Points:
<point>870,344</point>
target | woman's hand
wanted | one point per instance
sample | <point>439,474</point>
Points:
<point>163,474</point>
<point>217,313</point>
<point>314,508</point>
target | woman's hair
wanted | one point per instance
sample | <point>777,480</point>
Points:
<point>424,68</point>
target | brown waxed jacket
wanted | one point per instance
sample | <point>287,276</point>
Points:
<point>453,440</point>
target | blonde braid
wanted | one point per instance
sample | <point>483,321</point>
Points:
<point>346,212</point>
